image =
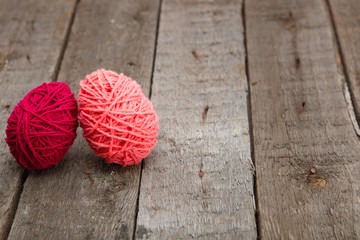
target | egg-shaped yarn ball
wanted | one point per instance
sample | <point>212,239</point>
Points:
<point>42,127</point>
<point>118,121</point>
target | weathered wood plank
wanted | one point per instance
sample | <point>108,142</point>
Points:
<point>66,202</point>
<point>305,148</point>
<point>32,34</point>
<point>346,19</point>
<point>197,183</point>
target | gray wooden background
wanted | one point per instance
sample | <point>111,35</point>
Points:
<point>258,103</point>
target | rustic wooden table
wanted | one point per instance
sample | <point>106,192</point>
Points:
<point>258,103</point>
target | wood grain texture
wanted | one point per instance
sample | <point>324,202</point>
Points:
<point>197,182</point>
<point>32,33</point>
<point>83,197</point>
<point>347,24</point>
<point>305,148</point>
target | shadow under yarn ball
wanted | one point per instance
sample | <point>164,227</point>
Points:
<point>42,127</point>
<point>118,121</point>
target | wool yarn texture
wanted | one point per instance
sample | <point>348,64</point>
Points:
<point>118,121</point>
<point>42,127</point>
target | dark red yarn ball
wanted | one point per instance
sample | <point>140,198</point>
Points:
<point>42,127</point>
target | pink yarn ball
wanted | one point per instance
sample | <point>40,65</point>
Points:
<point>118,121</point>
<point>42,127</point>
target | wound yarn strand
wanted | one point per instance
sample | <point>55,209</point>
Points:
<point>42,127</point>
<point>118,121</point>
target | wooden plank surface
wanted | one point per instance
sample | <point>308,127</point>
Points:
<point>83,197</point>
<point>197,182</point>
<point>306,151</point>
<point>32,34</point>
<point>347,24</point>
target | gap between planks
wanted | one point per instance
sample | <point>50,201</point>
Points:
<point>150,91</point>
<point>15,203</point>
<point>248,99</point>
<point>66,40</point>
<point>348,95</point>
